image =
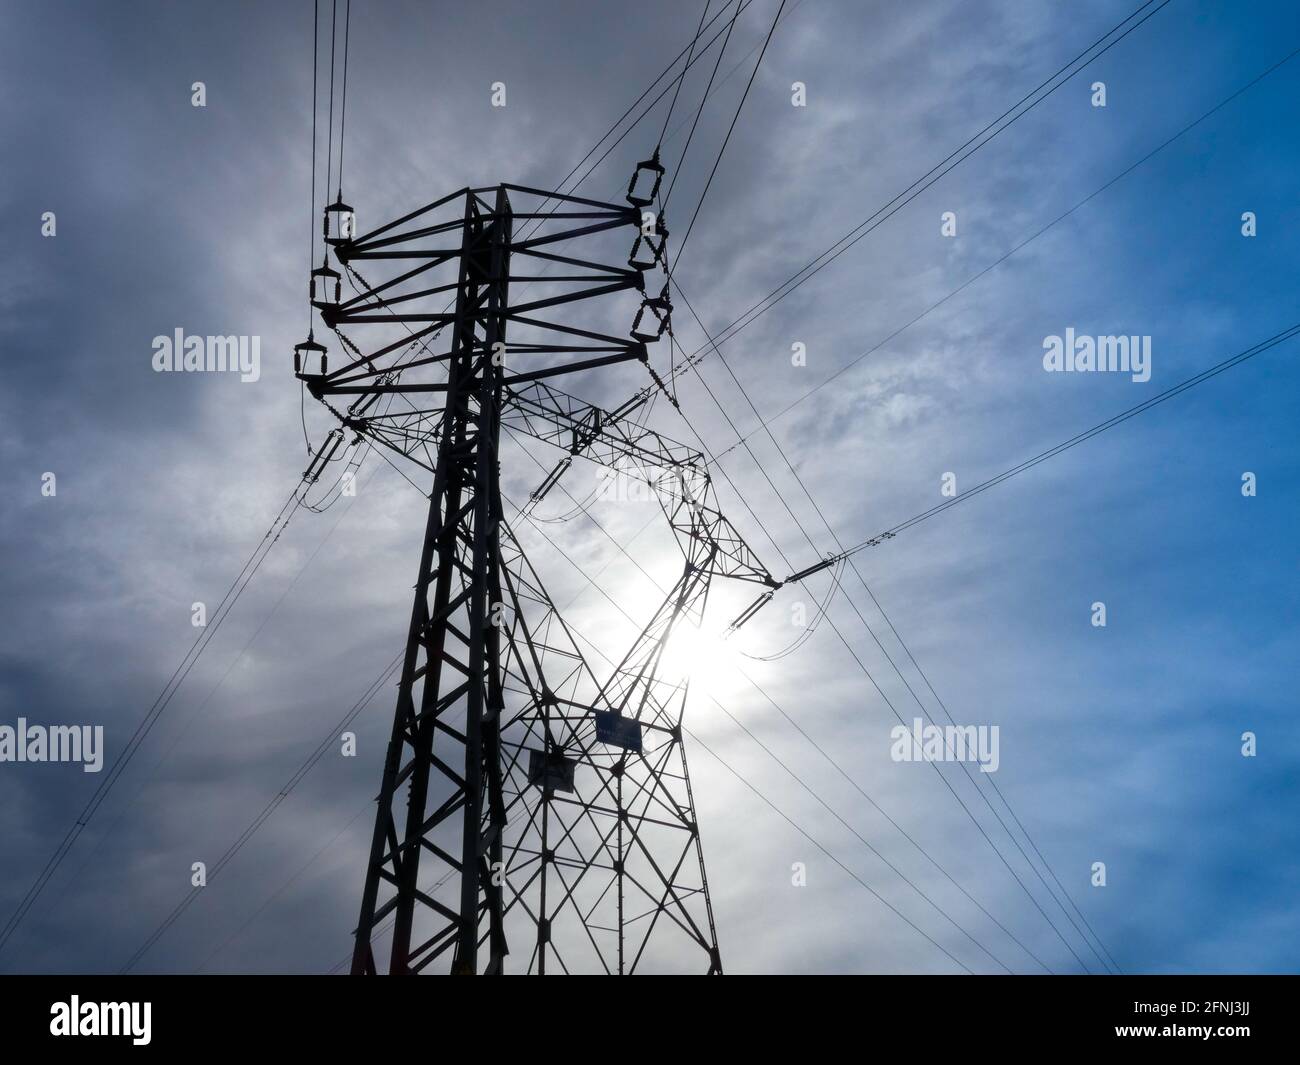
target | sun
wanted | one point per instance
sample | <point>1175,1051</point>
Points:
<point>699,655</point>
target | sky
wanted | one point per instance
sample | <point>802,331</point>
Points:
<point>1120,744</point>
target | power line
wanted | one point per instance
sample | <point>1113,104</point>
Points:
<point>329,140</point>
<point>270,901</point>
<point>997,790</point>
<point>1079,438</point>
<point>799,524</point>
<point>681,248</point>
<point>632,107</point>
<point>704,98</point>
<point>672,104</point>
<point>311,247</point>
<point>343,103</point>
<point>889,622</point>
<point>1074,441</point>
<point>160,704</point>
<point>879,809</point>
<point>862,665</point>
<point>764,422</point>
<point>166,755</point>
<point>945,166</point>
<point>794,517</point>
<point>251,830</point>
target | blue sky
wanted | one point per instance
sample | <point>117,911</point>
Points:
<point>1119,744</point>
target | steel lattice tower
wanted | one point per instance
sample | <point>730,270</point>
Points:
<point>556,799</point>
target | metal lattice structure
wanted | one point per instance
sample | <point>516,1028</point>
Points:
<point>552,796</point>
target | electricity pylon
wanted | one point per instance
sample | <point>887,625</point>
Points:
<point>554,802</point>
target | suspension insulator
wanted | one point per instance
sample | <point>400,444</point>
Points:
<point>324,281</point>
<point>648,170</point>
<point>303,352</point>
<point>660,311</point>
<point>340,222</point>
<point>649,250</point>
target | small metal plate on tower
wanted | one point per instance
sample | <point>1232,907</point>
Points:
<point>553,771</point>
<point>618,731</point>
